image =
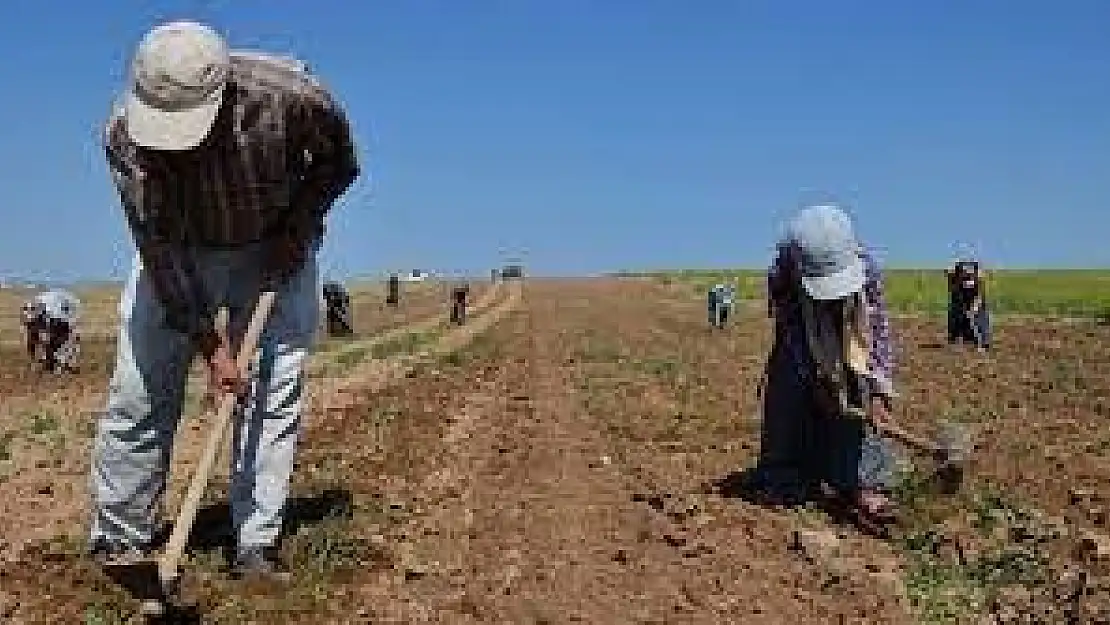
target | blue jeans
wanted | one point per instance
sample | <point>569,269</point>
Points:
<point>800,445</point>
<point>135,435</point>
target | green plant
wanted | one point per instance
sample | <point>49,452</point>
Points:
<point>42,423</point>
<point>6,446</point>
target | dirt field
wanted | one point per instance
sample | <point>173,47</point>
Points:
<point>581,461</point>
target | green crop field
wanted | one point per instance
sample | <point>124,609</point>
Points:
<point>1050,293</point>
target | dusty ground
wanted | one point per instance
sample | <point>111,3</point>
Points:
<point>579,462</point>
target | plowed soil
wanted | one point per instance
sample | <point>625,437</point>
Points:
<point>577,463</point>
<point>47,421</point>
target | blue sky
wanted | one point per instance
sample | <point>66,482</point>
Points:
<point>611,134</point>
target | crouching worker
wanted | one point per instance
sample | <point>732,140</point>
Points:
<point>50,324</point>
<point>720,298</point>
<point>968,317</point>
<point>337,304</point>
<point>459,295</point>
<point>829,375</point>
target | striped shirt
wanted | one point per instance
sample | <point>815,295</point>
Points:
<point>279,155</point>
<point>783,301</point>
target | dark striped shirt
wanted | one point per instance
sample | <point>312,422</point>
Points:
<point>279,155</point>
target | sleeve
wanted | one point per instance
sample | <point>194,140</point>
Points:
<point>322,143</point>
<point>322,155</point>
<point>881,355</point>
<point>159,238</point>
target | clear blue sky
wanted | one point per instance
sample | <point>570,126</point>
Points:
<point>616,133</point>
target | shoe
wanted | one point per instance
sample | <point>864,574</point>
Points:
<point>260,562</point>
<point>109,553</point>
<point>132,569</point>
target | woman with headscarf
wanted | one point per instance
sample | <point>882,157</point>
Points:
<point>830,372</point>
<point>968,316</point>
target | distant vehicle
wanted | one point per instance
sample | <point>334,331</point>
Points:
<point>416,275</point>
<point>510,272</point>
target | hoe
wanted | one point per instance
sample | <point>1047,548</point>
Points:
<point>140,576</point>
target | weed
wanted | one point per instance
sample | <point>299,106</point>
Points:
<point>105,613</point>
<point>1007,552</point>
<point>407,343</point>
<point>6,446</point>
<point>352,356</point>
<point>333,546</point>
<point>659,367</point>
<point>43,423</point>
<point>382,416</point>
<point>600,350</point>
<point>943,593</point>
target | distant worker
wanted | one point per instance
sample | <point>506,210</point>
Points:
<point>393,294</point>
<point>50,322</point>
<point>459,295</point>
<point>337,305</point>
<point>968,316</point>
<point>720,301</point>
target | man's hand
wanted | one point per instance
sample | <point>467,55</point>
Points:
<point>879,411</point>
<point>224,375</point>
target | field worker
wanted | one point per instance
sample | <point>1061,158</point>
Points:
<point>50,323</point>
<point>832,356</point>
<point>393,290</point>
<point>721,298</point>
<point>968,316</point>
<point>226,165</point>
<point>337,305</point>
<point>459,295</point>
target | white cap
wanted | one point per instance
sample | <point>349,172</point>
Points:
<point>178,77</point>
<point>829,257</point>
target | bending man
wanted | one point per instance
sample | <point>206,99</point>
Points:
<point>226,165</point>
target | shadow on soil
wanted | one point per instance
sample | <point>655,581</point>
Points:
<point>753,486</point>
<point>212,530</point>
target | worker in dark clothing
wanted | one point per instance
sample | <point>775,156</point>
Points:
<point>459,295</point>
<point>393,294</point>
<point>338,306</point>
<point>968,316</point>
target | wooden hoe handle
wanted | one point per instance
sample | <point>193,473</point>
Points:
<point>175,546</point>
<point>894,431</point>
